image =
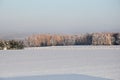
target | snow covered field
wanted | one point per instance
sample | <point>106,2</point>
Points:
<point>70,61</point>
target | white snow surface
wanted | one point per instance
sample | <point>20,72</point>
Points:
<point>98,61</point>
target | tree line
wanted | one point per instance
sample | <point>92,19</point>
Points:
<point>41,40</point>
<point>81,39</point>
<point>11,44</point>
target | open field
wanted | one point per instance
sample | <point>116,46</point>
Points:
<point>93,61</point>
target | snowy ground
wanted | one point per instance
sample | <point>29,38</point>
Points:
<point>95,61</point>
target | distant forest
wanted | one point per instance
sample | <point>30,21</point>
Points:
<point>40,40</point>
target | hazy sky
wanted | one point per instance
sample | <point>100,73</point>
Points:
<point>59,16</point>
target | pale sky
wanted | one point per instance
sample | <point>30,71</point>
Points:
<point>59,16</point>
